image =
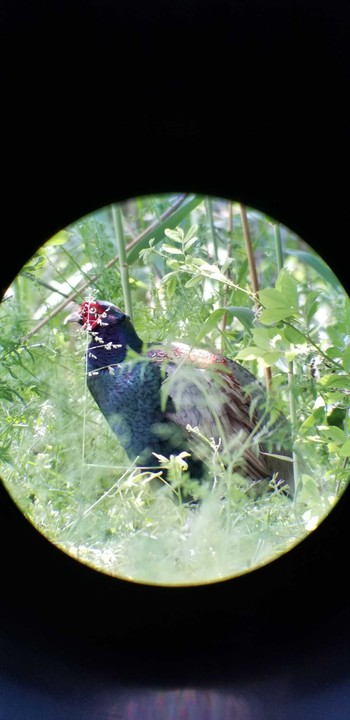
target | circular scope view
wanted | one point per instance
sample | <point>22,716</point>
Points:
<point>174,389</point>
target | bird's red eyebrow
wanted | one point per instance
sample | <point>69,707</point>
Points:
<point>87,306</point>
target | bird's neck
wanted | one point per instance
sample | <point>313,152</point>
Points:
<point>109,346</point>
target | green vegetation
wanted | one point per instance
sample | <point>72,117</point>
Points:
<point>185,274</point>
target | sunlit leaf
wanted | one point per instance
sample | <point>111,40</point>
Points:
<point>277,306</point>
<point>275,315</point>
<point>313,419</point>
<point>287,285</point>
<point>176,235</point>
<point>335,381</point>
<point>332,432</point>
<point>172,250</point>
<point>256,353</point>
<point>249,353</point>
<point>190,234</point>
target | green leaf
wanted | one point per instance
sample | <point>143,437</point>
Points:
<point>166,278</point>
<point>171,286</point>
<point>335,381</point>
<point>251,352</point>
<point>6,392</point>
<point>286,284</point>
<point>5,455</point>
<point>277,306</point>
<point>313,419</point>
<point>270,358</point>
<point>255,353</point>
<point>211,271</point>
<point>173,264</point>
<point>334,352</point>
<point>176,235</point>
<point>190,234</point>
<point>294,336</point>
<point>263,337</point>
<point>195,280</point>
<point>311,305</point>
<point>345,449</point>
<point>190,242</point>
<point>244,315</point>
<point>210,323</point>
<point>172,250</point>
<point>346,357</point>
<point>332,432</point>
<point>269,316</point>
<point>171,222</point>
<point>316,262</point>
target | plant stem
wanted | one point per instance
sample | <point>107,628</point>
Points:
<point>228,273</point>
<point>249,250</point>
<point>294,421</point>
<point>278,246</point>
<point>253,273</point>
<point>209,212</point>
<point>292,402</point>
<point>123,265</point>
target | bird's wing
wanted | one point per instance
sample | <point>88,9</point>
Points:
<point>208,392</point>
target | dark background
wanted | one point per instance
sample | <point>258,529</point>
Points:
<point>105,99</point>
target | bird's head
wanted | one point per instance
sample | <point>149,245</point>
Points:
<point>93,315</point>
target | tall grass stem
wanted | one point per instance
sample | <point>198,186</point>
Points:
<point>123,265</point>
<point>292,401</point>
<point>253,272</point>
<point>209,213</point>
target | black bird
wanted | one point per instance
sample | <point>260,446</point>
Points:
<point>164,398</point>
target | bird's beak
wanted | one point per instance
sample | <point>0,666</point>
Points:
<point>73,317</point>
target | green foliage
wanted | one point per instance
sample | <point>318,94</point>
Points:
<point>188,279</point>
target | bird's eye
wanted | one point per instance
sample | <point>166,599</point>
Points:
<point>191,439</point>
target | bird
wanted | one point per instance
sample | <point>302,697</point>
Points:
<point>165,399</point>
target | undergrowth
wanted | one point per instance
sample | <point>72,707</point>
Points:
<point>59,459</point>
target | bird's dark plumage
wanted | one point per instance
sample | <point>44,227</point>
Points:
<point>154,398</point>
